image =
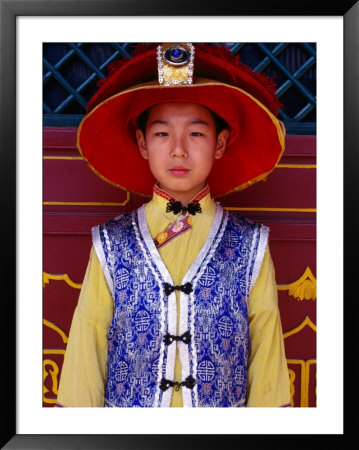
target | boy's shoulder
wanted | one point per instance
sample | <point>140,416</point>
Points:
<point>236,219</point>
<point>120,222</point>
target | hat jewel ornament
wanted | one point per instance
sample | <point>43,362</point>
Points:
<point>175,64</point>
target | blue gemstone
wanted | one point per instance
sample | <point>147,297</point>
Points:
<point>176,56</point>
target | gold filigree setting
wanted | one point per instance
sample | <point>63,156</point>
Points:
<point>175,64</point>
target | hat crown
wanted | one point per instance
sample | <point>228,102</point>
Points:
<point>212,61</point>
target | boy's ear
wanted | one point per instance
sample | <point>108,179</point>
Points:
<point>141,142</point>
<point>221,144</point>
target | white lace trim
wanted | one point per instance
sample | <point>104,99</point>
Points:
<point>96,240</point>
<point>262,244</point>
<point>172,305</point>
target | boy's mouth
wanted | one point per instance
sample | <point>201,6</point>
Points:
<point>179,170</point>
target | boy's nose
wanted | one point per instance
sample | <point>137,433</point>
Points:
<point>179,150</point>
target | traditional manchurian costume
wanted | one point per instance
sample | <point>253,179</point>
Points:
<point>179,304</point>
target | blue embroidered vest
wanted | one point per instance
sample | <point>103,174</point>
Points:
<point>213,315</point>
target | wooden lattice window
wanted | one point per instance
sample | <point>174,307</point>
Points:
<point>71,72</point>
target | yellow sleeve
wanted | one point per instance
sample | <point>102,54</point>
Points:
<point>84,371</point>
<point>268,379</point>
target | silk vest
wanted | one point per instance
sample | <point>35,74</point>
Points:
<point>213,315</point>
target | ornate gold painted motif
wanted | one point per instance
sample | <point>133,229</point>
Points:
<point>306,322</point>
<point>58,330</point>
<point>50,370</point>
<point>305,288</point>
<point>64,277</point>
<point>304,376</point>
<point>291,384</point>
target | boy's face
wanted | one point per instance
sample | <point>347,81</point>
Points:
<point>181,145</point>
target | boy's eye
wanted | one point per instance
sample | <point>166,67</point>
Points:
<point>196,133</point>
<point>161,133</point>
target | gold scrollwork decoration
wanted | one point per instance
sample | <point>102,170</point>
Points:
<point>58,330</point>
<point>306,322</point>
<point>304,366</point>
<point>291,384</point>
<point>47,277</point>
<point>50,370</point>
<point>304,376</point>
<point>305,288</point>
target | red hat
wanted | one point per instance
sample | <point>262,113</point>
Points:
<point>205,74</point>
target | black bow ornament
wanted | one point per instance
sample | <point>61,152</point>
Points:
<point>169,338</point>
<point>186,288</point>
<point>176,207</point>
<point>190,382</point>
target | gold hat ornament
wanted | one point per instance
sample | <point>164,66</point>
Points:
<point>175,64</point>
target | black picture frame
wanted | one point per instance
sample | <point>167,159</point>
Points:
<point>9,10</point>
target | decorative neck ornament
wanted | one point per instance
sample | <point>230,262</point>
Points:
<point>175,64</point>
<point>176,207</point>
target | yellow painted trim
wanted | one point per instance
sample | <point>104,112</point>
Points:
<point>48,276</point>
<point>54,352</point>
<point>297,329</point>
<point>57,329</point>
<point>303,381</point>
<point>81,204</point>
<point>296,166</point>
<point>125,202</point>
<point>308,363</point>
<point>303,288</point>
<point>311,362</point>
<point>306,210</point>
<point>279,166</point>
<point>291,373</point>
<point>71,158</point>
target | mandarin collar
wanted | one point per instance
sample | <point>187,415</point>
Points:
<point>160,198</point>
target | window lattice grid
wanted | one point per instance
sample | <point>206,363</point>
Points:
<point>71,72</point>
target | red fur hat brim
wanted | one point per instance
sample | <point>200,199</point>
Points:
<point>106,136</point>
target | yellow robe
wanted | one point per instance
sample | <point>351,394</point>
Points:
<point>83,377</point>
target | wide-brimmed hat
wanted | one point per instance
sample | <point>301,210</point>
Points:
<point>200,73</point>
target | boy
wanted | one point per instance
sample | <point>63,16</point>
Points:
<point>178,305</point>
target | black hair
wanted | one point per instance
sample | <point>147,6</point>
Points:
<point>219,122</point>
